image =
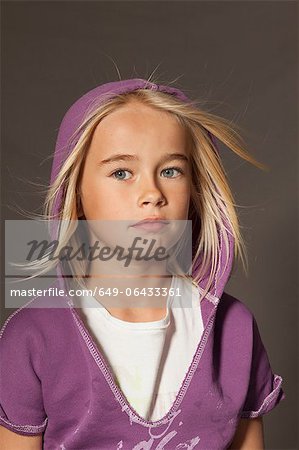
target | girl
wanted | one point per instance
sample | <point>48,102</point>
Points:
<point>88,374</point>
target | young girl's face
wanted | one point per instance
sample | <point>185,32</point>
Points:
<point>137,166</point>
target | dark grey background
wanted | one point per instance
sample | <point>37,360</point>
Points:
<point>239,56</point>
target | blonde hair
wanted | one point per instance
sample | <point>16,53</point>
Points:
<point>211,202</point>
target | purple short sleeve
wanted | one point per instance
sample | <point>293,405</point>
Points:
<point>264,391</point>
<point>21,403</point>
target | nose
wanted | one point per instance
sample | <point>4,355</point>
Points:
<point>150,193</point>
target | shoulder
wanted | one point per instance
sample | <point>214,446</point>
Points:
<point>32,323</point>
<point>235,321</point>
<point>232,308</point>
<point>20,321</point>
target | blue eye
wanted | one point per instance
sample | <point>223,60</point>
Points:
<point>118,171</point>
<point>172,169</point>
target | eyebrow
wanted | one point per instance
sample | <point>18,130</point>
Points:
<point>126,157</point>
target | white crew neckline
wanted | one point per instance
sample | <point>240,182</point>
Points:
<point>153,325</point>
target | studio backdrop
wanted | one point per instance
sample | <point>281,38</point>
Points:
<point>240,59</point>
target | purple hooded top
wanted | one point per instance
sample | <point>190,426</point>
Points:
<point>56,381</point>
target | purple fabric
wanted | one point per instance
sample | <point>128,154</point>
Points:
<point>55,380</point>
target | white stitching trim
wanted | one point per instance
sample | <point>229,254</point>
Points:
<point>16,312</point>
<point>26,428</point>
<point>209,296</point>
<point>219,263</point>
<point>212,296</point>
<point>13,314</point>
<point>272,396</point>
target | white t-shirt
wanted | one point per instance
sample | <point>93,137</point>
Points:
<point>149,360</point>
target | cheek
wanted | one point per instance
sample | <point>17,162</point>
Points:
<point>99,201</point>
<point>183,206</point>
<point>181,193</point>
<point>179,199</point>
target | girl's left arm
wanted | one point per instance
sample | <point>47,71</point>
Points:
<point>249,435</point>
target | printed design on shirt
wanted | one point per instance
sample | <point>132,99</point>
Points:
<point>158,441</point>
<point>133,383</point>
<point>222,412</point>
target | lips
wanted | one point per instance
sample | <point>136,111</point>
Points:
<point>152,221</point>
<point>151,224</point>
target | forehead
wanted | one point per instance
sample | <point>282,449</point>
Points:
<point>137,120</point>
